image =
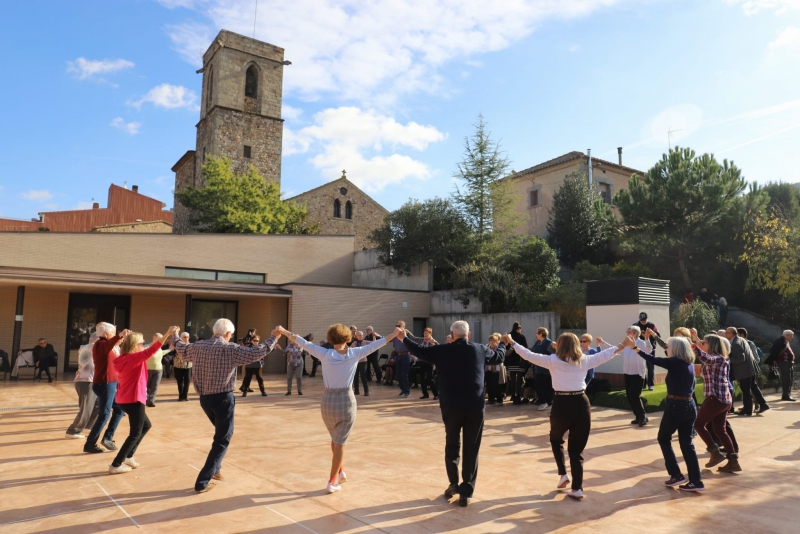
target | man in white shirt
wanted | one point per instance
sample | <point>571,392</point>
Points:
<point>634,370</point>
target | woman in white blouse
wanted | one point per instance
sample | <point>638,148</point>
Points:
<point>338,402</point>
<point>571,410</point>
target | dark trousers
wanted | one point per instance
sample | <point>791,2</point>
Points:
<point>729,430</point>
<point>44,365</point>
<point>514,388</point>
<point>633,390</point>
<point>543,384</point>
<point>153,380</point>
<point>573,414</point>
<point>140,425</point>
<point>219,410</point>
<point>750,390</point>
<point>182,376</point>
<point>470,422</point>
<point>428,381</point>
<point>314,364</point>
<point>787,378</point>
<point>715,412</point>
<point>249,373</point>
<point>107,408</point>
<point>402,366</point>
<point>679,415</point>
<point>651,373</point>
<point>372,361</point>
<point>493,389</point>
<point>361,372</point>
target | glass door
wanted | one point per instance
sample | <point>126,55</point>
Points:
<point>85,311</point>
<point>206,312</point>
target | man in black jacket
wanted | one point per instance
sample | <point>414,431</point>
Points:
<point>460,365</point>
<point>782,355</point>
<point>372,359</point>
<point>643,325</point>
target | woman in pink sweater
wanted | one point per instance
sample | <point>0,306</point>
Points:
<point>132,394</point>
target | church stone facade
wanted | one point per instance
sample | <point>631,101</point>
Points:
<point>341,208</point>
<point>240,113</point>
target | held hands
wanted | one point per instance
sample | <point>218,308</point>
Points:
<point>600,341</point>
<point>124,333</point>
<point>693,331</point>
<point>279,331</point>
<point>399,333</point>
<point>506,338</point>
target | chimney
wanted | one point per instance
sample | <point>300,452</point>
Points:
<point>619,152</point>
<point>95,205</point>
<point>589,152</point>
<point>135,188</point>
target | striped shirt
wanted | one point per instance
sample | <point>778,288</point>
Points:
<point>215,361</point>
<point>715,375</point>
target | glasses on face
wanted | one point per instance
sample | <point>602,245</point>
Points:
<point>585,341</point>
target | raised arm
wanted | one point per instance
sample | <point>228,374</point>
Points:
<point>366,350</point>
<point>597,359</point>
<point>316,351</point>
<point>495,356</point>
<point>423,353</point>
<point>542,360</point>
<point>249,354</point>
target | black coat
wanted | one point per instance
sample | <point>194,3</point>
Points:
<point>460,366</point>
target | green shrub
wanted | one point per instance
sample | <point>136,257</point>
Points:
<point>697,315</point>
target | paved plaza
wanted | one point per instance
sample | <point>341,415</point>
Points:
<point>276,470</point>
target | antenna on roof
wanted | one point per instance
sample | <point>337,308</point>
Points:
<point>669,136</point>
<point>125,184</point>
<point>255,14</point>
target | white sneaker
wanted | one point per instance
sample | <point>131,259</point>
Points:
<point>342,477</point>
<point>131,462</point>
<point>74,436</point>
<point>563,482</point>
<point>121,469</point>
<point>575,494</point>
<point>333,488</point>
<point>543,407</point>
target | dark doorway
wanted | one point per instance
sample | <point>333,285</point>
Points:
<point>84,312</point>
<point>420,324</point>
<point>206,312</point>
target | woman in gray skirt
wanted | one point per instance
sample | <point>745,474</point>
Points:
<point>338,401</point>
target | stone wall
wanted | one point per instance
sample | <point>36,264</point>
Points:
<point>368,271</point>
<point>152,227</point>
<point>367,214</point>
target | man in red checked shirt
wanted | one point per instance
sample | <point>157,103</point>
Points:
<point>104,385</point>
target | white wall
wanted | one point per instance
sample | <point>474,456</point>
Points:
<point>610,323</point>
<point>445,302</point>
<point>369,272</point>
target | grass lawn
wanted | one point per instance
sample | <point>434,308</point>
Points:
<point>653,400</point>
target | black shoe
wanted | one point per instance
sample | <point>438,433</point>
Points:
<point>93,450</point>
<point>249,390</point>
<point>644,421</point>
<point>525,401</point>
<point>49,380</point>
<point>675,481</point>
<point>356,392</point>
<point>151,405</point>
<point>264,393</point>
<point>299,393</point>
<point>288,393</point>
<point>366,393</point>
<point>789,399</point>
<point>732,410</point>
<point>436,397</point>
<point>499,403</point>
<point>463,502</point>
<point>693,486</point>
<point>764,408</point>
<point>424,397</point>
<point>451,491</point>
<point>244,393</point>
<point>635,421</point>
<point>743,413</point>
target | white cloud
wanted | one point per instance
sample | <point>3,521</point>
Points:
<point>359,141</point>
<point>375,51</point>
<point>39,195</point>
<point>290,112</point>
<point>169,97</point>
<point>752,7</point>
<point>788,38</point>
<point>87,68</point>
<point>129,127</point>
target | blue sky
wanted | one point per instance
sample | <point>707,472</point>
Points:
<point>97,92</point>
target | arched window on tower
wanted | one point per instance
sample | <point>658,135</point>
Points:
<point>210,91</point>
<point>337,208</point>
<point>348,210</point>
<point>251,82</point>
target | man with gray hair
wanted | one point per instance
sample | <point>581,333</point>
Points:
<point>215,362</point>
<point>372,359</point>
<point>782,355</point>
<point>460,364</point>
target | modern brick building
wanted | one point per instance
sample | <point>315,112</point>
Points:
<point>125,207</point>
<point>240,113</point>
<point>58,286</point>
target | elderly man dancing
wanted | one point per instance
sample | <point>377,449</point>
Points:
<point>461,365</point>
<point>215,362</point>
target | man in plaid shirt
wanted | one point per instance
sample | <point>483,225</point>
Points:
<point>215,362</point>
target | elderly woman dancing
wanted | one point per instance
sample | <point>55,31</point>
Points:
<point>338,402</point>
<point>571,409</point>
<point>680,412</point>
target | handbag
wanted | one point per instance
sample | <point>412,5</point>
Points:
<point>774,373</point>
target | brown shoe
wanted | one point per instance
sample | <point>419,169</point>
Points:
<point>731,467</point>
<point>218,476</point>
<point>207,488</point>
<point>716,458</point>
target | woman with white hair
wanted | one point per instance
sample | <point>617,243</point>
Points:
<point>571,410</point>
<point>634,371</point>
<point>338,401</point>
<point>131,366</point>
<point>183,371</point>
<point>87,400</point>
<point>680,412</point>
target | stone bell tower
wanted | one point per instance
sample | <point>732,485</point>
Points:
<point>240,113</point>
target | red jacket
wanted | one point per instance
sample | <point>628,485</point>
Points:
<point>132,370</point>
<point>103,356</point>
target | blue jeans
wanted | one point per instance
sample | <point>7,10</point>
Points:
<point>403,365</point>
<point>107,408</point>
<point>219,409</point>
<point>679,415</point>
